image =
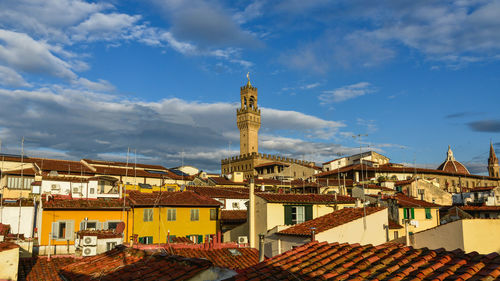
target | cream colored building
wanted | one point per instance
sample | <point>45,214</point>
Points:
<point>370,158</point>
<point>469,235</point>
<point>347,225</point>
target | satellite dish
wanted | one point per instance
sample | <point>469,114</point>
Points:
<point>229,176</point>
<point>183,187</point>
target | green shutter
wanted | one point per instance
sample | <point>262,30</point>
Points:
<point>428,214</point>
<point>141,240</point>
<point>412,213</point>
<point>309,212</point>
<point>288,215</point>
<point>405,213</point>
<point>200,239</point>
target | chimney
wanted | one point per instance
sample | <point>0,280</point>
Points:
<point>261,247</point>
<point>251,214</point>
<point>313,234</point>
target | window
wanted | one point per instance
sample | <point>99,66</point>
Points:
<point>91,190</point>
<point>195,214</point>
<point>148,215</point>
<point>90,224</point>
<point>236,205</point>
<point>428,214</point>
<point>146,240</point>
<point>17,183</point>
<point>409,213</point>
<point>195,238</point>
<point>111,225</point>
<point>297,214</point>
<point>110,246</point>
<point>63,230</point>
<point>213,214</point>
<point>171,214</point>
<point>396,235</point>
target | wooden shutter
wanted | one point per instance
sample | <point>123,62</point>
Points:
<point>141,240</point>
<point>55,230</point>
<point>428,214</point>
<point>200,239</point>
<point>288,215</point>
<point>412,213</point>
<point>405,213</point>
<point>82,225</point>
<point>70,230</point>
<point>105,225</point>
<point>309,212</point>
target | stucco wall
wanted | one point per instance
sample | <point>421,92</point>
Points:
<point>9,260</point>
<point>10,215</point>
<point>478,235</point>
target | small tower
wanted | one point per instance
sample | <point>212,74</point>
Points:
<point>248,119</point>
<point>493,168</point>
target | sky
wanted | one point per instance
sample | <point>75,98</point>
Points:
<point>161,79</point>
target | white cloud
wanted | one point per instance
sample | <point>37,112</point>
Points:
<point>10,78</point>
<point>346,92</point>
<point>106,27</point>
<point>22,52</point>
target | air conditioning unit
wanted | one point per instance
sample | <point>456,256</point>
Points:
<point>242,239</point>
<point>414,223</point>
<point>76,190</point>
<point>89,251</point>
<point>89,240</point>
<point>55,187</point>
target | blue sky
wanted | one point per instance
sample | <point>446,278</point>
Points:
<point>91,79</point>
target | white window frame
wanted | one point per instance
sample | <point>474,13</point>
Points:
<point>195,214</point>
<point>147,215</point>
<point>69,233</point>
<point>171,214</point>
<point>105,225</point>
<point>97,224</point>
<point>300,214</point>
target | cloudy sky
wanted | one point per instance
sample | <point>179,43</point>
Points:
<point>161,77</point>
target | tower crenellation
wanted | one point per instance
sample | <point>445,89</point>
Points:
<point>248,119</point>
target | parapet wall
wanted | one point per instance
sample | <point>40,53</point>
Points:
<point>270,157</point>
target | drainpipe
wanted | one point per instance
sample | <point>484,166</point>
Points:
<point>251,214</point>
<point>261,247</point>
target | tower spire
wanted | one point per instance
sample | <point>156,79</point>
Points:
<point>248,119</point>
<point>493,168</point>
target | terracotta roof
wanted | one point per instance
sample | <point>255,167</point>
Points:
<point>4,229</point>
<point>217,192</point>
<point>406,201</point>
<point>403,182</point>
<point>15,202</point>
<point>180,239</point>
<point>59,203</point>
<point>329,221</point>
<point>25,172</point>
<point>305,198</point>
<point>5,246</point>
<point>454,167</point>
<point>323,261</point>
<point>36,269</point>
<point>485,188</point>
<point>182,198</point>
<point>274,163</point>
<point>394,225</point>
<point>224,181</point>
<point>232,258</point>
<point>391,168</point>
<point>66,179</point>
<point>233,216</point>
<point>480,208</point>
<point>101,234</point>
<point>123,164</point>
<point>124,263</point>
<point>129,172</point>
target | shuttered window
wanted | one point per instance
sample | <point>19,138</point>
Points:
<point>63,230</point>
<point>171,214</point>
<point>148,215</point>
<point>195,214</point>
<point>297,214</point>
<point>18,183</point>
<point>428,214</point>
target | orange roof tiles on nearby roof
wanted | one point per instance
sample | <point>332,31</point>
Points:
<point>485,188</point>
<point>15,202</point>
<point>233,215</point>
<point>217,192</point>
<point>182,198</point>
<point>329,221</point>
<point>132,264</point>
<point>224,181</point>
<point>232,258</point>
<point>5,246</point>
<point>36,269</point>
<point>406,201</point>
<point>101,234</point>
<point>59,203</point>
<point>394,225</point>
<point>323,261</point>
<point>305,198</point>
<point>480,208</point>
<point>25,172</point>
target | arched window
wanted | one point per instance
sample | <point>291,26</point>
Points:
<point>252,102</point>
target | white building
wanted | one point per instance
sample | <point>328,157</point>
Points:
<point>370,158</point>
<point>19,215</point>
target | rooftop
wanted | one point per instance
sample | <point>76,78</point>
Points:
<point>329,221</point>
<point>233,216</point>
<point>323,261</point>
<point>232,258</point>
<point>217,192</point>
<point>64,203</point>
<point>181,198</point>
<point>305,198</point>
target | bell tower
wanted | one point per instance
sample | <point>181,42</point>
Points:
<point>493,168</point>
<point>248,119</point>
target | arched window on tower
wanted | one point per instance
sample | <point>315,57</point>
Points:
<point>252,102</point>
<point>245,102</point>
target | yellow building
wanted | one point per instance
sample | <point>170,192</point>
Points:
<point>62,218</point>
<point>159,215</point>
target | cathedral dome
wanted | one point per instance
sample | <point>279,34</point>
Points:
<point>450,165</point>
